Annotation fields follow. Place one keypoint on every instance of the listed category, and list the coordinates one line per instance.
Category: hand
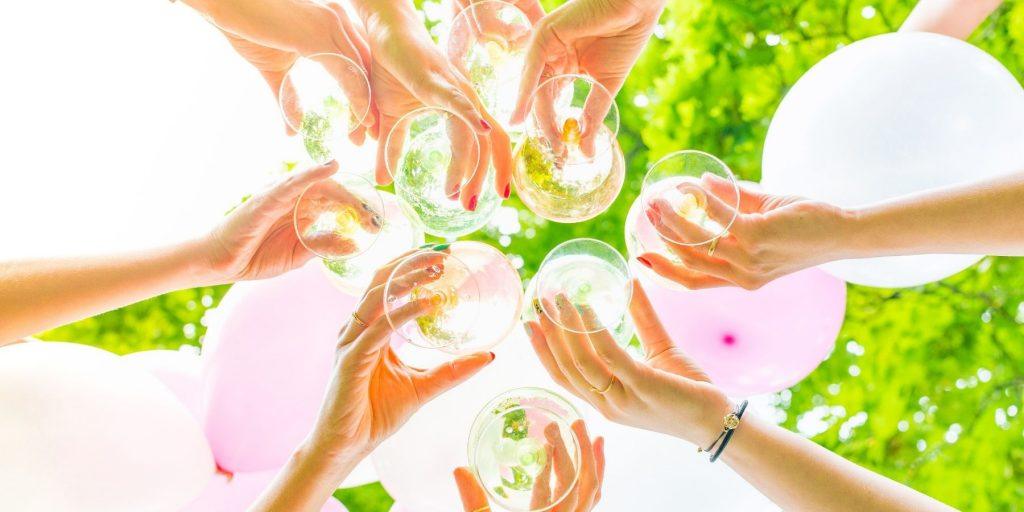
(410, 72)
(273, 34)
(601, 38)
(667, 393)
(258, 240)
(373, 393)
(583, 497)
(770, 237)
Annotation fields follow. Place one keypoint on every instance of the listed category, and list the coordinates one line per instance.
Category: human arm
(955, 18)
(371, 395)
(774, 235)
(669, 393)
(255, 241)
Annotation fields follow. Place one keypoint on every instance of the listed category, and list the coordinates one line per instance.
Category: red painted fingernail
(644, 261)
(492, 356)
(472, 204)
(508, 190)
(485, 124)
(651, 217)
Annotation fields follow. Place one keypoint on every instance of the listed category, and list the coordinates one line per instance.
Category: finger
(547, 360)
(427, 259)
(532, 70)
(720, 212)
(649, 329)
(563, 468)
(466, 155)
(372, 305)
(449, 96)
(749, 200)
(600, 462)
(596, 373)
(474, 182)
(678, 273)
(390, 149)
(291, 187)
(354, 82)
(604, 344)
(557, 344)
(501, 157)
(541, 497)
(330, 196)
(697, 259)
(439, 379)
(472, 493)
(673, 226)
(287, 98)
(532, 8)
(588, 478)
(595, 110)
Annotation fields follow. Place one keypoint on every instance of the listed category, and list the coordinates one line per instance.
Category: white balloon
(645, 471)
(178, 370)
(83, 430)
(893, 115)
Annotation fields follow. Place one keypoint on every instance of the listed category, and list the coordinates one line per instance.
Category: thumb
(472, 493)
(439, 379)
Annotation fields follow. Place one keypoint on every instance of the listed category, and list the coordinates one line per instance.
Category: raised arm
(956, 18)
(776, 235)
(669, 393)
(255, 241)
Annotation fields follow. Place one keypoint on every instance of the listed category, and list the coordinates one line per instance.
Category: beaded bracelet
(730, 422)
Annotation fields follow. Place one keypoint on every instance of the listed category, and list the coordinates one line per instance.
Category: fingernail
(643, 261)
(528, 329)
(472, 204)
(508, 190)
(562, 300)
(454, 194)
(485, 124)
(650, 216)
(377, 221)
(426, 245)
(492, 355)
(365, 206)
(441, 247)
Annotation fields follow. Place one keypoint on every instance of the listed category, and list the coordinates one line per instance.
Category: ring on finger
(357, 320)
(712, 247)
(606, 388)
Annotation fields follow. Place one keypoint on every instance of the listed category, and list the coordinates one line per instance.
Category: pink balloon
(178, 370)
(238, 492)
(762, 341)
(267, 360)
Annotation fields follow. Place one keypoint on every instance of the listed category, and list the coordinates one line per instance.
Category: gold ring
(485, 508)
(712, 247)
(359, 321)
(606, 388)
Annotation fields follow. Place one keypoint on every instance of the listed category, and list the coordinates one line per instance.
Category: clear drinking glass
(436, 148)
(487, 43)
(475, 292)
(339, 218)
(594, 279)
(513, 444)
(568, 167)
(397, 236)
(680, 182)
(321, 111)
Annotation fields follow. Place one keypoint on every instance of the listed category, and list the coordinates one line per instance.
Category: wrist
(853, 240)
(328, 464)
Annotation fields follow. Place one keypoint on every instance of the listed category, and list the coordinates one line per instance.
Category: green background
(924, 385)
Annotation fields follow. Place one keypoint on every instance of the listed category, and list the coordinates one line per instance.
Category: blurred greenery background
(924, 384)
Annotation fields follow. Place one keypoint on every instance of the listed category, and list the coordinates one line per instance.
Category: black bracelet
(732, 421)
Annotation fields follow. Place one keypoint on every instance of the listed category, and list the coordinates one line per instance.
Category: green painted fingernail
(441, 247)
(427, 245)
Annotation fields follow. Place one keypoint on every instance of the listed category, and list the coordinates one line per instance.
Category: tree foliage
(925, 384)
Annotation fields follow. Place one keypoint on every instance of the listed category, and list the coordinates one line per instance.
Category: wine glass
(339, 218)
(323, 112)
(678, 182)
(487, 42)
(568, 167)
(475, 294)
(434, 146)
(590, 274)
(397, 236)
(511, 447)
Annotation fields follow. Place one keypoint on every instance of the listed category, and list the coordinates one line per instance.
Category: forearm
(797, 474)
(983, 218)
(955, 18)
(305, 483)
(36, 295)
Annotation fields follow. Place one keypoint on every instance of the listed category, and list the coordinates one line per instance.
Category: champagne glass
(397, 236)
(434, 146)
(474, 291)
(513, 442)
(590, 274)
(568, 167)
(487, 43)
(316, 105)
(339, 218)
(678, 182)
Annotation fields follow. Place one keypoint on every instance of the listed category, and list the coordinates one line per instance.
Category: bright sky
(126, 123)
